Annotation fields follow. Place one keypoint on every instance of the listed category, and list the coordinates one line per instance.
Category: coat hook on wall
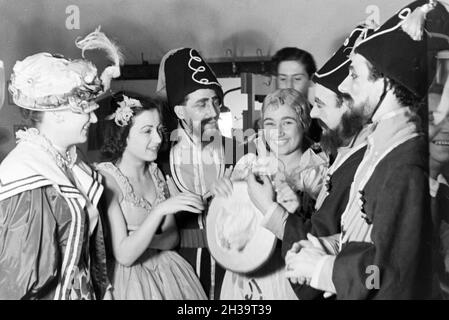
(260, 55)
(230, 54)
(143, 60)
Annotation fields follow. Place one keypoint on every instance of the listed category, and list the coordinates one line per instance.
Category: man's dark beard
(330, 139)
(350, 125)
(198, 130)
(208, 137)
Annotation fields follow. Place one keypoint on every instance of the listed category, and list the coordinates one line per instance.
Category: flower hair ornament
(124, 112)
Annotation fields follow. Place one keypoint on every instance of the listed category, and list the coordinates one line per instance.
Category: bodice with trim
(136, 208)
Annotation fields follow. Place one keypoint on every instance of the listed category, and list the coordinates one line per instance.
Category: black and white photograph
(238, 151)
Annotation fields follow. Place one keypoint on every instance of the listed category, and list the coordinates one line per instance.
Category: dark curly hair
(293, 54)
(404, 95)
(115, 136)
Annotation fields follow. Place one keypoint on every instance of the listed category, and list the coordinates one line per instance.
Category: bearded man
(384, 250)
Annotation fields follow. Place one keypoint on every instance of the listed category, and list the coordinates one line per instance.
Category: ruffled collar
(32, 164)
(33, 136)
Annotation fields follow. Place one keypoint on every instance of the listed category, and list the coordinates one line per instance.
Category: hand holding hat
(236, 237)
(261, 193)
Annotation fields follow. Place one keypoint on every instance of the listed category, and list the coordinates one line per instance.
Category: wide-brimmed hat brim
(261, 243)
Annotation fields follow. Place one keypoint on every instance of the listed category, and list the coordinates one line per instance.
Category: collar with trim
(392, 124)
(28, 167)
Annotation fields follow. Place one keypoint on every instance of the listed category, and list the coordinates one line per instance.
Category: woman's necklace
(33, 136)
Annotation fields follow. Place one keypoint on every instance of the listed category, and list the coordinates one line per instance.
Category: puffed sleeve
(309, 175)
(29, 253)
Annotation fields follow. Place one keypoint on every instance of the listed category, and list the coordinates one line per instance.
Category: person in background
(140, 210)
(294, 68)
(51, 234)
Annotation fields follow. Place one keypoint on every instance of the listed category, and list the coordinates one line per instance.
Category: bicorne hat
(404, 47)
(336, 69)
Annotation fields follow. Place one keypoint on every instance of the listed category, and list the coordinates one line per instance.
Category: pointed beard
(330, 139)
(351, 124)
(197, 129)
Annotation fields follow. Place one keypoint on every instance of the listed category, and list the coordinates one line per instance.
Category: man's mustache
(347, 98)
(207, 121)
(197, 125)
(322, 125)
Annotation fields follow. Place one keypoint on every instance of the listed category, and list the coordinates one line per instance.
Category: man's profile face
(359, 86)
(339, 121)
(327, 107)
(201, 112)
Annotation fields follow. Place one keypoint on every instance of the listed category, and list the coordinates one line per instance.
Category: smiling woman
(139, 210)
(438, 134)
(292, 176)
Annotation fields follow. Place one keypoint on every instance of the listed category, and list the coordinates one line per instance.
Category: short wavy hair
(115, 136)
(405, 97)
(295, 100)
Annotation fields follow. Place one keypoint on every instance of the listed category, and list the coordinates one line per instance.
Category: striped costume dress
(51, 235)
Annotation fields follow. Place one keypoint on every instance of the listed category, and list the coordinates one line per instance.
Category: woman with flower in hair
(140, 210)
(51, 234)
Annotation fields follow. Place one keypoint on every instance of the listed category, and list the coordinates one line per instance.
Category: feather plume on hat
(98, 40)
(48, 82)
